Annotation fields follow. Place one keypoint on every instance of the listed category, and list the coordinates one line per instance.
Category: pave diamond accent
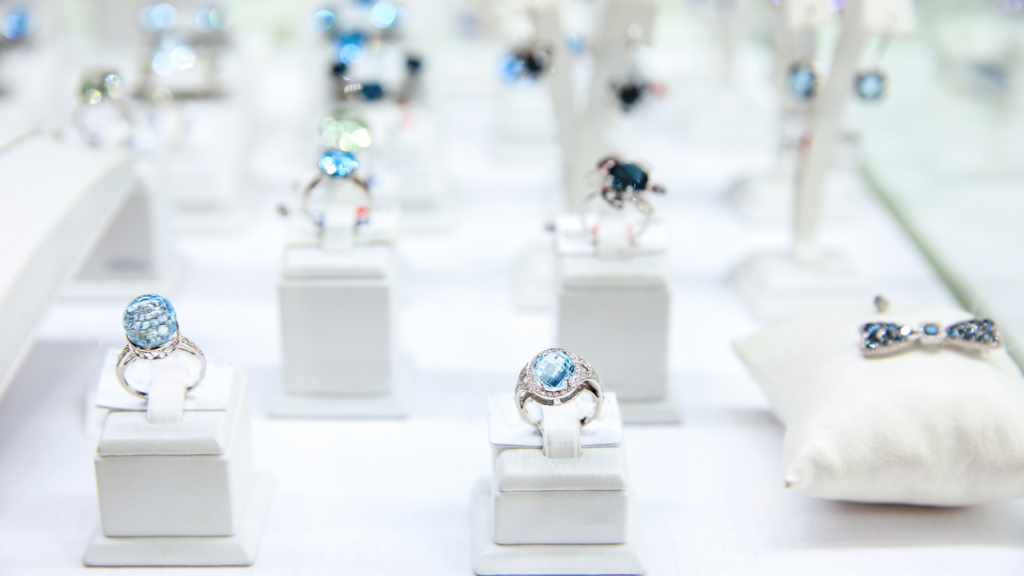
(150, 321)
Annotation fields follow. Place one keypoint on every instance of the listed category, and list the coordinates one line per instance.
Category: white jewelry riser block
(338, 322)
(615, 312)
(560, 499)
(50, 221)
(181, 494)
(540, 515)
(777, 285)
(134, 256)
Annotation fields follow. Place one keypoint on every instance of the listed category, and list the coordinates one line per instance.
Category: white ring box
(541, 515)
(338, 334)
(613, 309)
(178, 493)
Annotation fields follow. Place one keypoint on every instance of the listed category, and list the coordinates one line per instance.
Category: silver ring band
(592, 386)
(130, 353)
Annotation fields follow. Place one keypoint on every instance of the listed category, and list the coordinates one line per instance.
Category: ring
(151, 326)
(556, 377)
(335, 163)
(624, 183)
(884, 338)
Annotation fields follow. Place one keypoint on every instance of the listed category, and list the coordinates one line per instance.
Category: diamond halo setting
(555, 377)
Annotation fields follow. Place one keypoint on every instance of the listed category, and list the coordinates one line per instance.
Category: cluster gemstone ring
(555, 377)
(151, 326)
(885, 338)
(626, 183)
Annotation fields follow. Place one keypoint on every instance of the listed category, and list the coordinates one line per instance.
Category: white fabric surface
(929, 426)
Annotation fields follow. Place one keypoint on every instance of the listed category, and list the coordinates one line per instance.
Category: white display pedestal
(178, 493)
(339, 355)
(614, 311)
(777, 285)
(134, 256)
(555, 515)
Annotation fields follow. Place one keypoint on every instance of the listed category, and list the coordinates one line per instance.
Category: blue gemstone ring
(885, 338)
(151, 326)
(556, 377)
(334, 163)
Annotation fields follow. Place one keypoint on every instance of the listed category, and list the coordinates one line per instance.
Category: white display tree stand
(174, 475)
(338, 318)
(809, 276)
(613, 309)
(557, 502)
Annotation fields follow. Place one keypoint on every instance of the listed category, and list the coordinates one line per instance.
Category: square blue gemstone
(553, 370)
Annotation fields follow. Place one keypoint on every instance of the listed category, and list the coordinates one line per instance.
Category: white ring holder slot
(174, 473)
(558, 501)
(614, 302)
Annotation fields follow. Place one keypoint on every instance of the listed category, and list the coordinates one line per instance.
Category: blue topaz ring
(556, 377)
(884, 338)
(151, 326)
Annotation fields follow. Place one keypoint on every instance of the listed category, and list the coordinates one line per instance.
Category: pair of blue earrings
(804, 82)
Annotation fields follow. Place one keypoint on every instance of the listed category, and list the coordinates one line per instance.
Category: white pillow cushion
(926, 426)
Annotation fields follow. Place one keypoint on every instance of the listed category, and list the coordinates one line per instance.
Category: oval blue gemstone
(553, 370)
(803, 81)
(373, 91)
(931, 329)
(150, 321)
(338, 163)
(870, 85)
(625, 175)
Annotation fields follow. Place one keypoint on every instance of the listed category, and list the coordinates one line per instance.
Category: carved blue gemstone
(803, 81)
(625, 175)
(870, 85)
(150, 321)
(338, 163)
(553, 370)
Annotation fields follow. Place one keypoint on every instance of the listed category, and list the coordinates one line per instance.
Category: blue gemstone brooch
(885, 338)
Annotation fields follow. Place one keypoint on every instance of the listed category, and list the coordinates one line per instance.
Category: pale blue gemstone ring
(151, 326)
(556, 377)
